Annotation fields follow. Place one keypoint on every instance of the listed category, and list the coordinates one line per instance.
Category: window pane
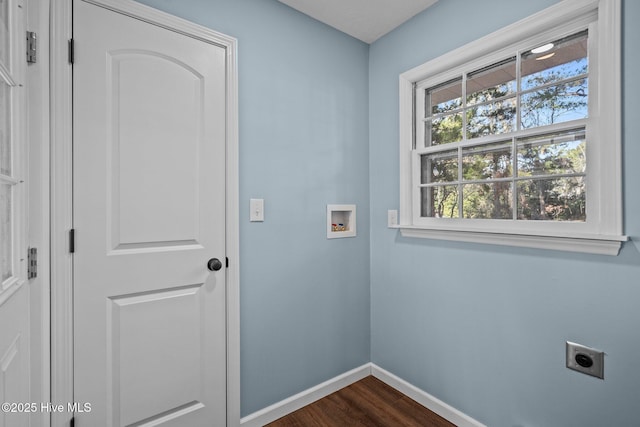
(487, 161)
(557, 100)
(4, 32)
(441, 167)
(564, 59)
(491, 119)
(549, 154)
(444, 97)
(555, 104)
(5, 137)
(487, 201)
(561, 199)
(495, 81)
(6, 253)
(440, 201)
(446, 129)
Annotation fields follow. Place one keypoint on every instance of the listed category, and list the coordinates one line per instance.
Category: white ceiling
(366, 20)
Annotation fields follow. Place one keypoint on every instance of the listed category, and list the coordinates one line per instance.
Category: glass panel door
(8, 180)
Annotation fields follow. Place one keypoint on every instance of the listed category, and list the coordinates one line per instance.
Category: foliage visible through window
(508, 141)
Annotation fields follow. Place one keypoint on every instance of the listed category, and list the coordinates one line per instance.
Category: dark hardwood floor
(368, 402)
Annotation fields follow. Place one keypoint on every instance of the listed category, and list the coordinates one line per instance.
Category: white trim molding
(307, 397)
(602, 232)
(304, 398)
(434, 404)
(61, 196)
(606, 245)
(61, 212)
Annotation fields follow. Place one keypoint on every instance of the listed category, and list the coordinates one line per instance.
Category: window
(492, 153)
(507, 140)
(11, 150)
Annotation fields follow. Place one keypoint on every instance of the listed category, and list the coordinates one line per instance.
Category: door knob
(214, 264)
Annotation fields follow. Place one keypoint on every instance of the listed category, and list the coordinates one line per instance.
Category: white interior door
(149, 213)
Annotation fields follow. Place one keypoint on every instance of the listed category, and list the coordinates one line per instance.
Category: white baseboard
(436, 405)
(304, 398)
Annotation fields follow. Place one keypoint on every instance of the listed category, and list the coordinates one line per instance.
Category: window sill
(595, 244)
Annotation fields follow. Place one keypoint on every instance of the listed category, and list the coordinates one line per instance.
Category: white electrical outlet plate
(392, 218)
(585, 359)
(256, 210)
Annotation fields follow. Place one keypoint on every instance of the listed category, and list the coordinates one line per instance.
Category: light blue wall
(483, 327)
(480, 327)
(303, 96)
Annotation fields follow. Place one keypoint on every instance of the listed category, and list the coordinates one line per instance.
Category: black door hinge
(227, 262)
(72, 240)
(31, 47)
(32, 263)
(71, 51)
(72, 422)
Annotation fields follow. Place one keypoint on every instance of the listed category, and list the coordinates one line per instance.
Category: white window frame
(601, 233)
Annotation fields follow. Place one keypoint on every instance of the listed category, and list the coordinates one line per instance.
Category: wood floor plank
(377, 401)
(367, 403)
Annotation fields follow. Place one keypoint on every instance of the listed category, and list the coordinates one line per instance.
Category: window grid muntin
(515, 178)
(465, 106)
(428, 146)
(580, 27)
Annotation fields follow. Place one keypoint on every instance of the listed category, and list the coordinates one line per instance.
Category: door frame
(62, 196)
(32, 208)
(37, 75)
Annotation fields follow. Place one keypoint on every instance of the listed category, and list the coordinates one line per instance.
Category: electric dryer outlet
(585, 359)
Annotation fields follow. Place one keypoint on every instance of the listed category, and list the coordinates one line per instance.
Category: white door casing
(155, 196)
